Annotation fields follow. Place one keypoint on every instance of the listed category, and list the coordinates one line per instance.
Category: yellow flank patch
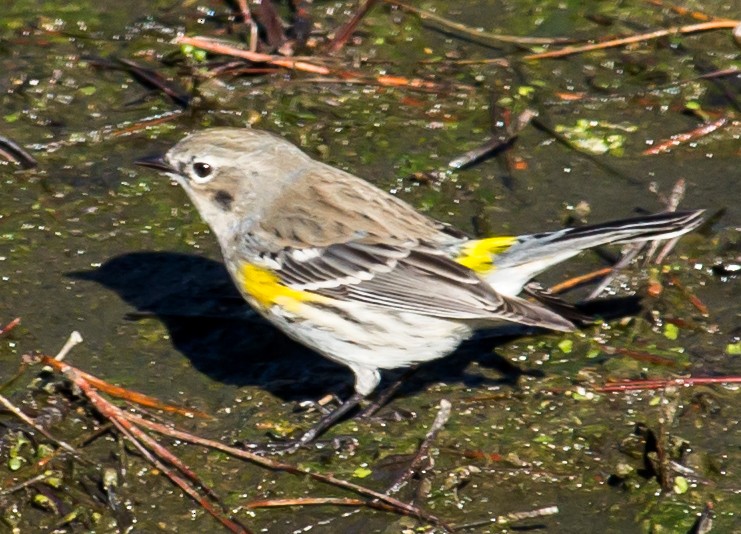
(477, 255)
(266, 289)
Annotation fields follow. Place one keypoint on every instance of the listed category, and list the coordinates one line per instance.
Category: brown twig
(422, 455)
(415, 84)
(244, 11)
(342, 76)
(510, 518)
(692, 28)
(344, 33)
(697, 15)
(280, 466)
(318, 501)
(10, 326)
(636, 385)
(679, 139)
(639, 355)
(14, 152)
(474, 33)
(484, 150)
(123, 393)
(576, 281)
(241, 453)
(219, 47)
(41, 430)
(694, 299)
(139, 438)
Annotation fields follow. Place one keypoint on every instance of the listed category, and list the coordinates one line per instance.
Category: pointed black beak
(156, 162)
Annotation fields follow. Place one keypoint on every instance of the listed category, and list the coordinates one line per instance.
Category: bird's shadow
(210, 324)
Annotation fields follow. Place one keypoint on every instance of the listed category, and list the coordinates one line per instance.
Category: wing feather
(413, 278)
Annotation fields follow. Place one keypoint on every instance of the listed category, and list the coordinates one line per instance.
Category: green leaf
(671, 331)
(566, 345)
(361, 472)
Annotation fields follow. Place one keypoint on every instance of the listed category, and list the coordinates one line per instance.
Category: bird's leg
(387, 394)
(329, 419)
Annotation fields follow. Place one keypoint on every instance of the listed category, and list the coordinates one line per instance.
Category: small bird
(357, 274)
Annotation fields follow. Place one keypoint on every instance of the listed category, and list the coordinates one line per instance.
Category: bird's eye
(202, 170)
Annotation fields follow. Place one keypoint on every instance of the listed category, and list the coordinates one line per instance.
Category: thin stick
(704, 129)
(74, 339)
(136, 437)
(570, 50)
(127, 394)
(26, 483)
(579, 280)
(480, 34)
(279, 466)
(344, 33)
(318, 501)
(105, 407)
(218, 47)
(441, 418)
(637, 385)
(10, 326)
(30, 422)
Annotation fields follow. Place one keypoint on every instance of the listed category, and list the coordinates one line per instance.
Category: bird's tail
(513, 263)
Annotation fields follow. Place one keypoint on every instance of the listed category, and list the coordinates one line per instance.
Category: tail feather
(666, 225)
(534, 253)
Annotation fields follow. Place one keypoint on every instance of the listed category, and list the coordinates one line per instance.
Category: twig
(642, 385)
(678, 139)
(478, 153)
(632, 250)
(415, 84)
(30, 422)
(638, 355)
(219, 47)
(697, 15)
(510, 517)
(14, 152)
(576, 281)
(570, 50)
(26, 483)
(318, 501)
(149, 78)
(136, 437)
(441, 418)
(422, 455)
(244, 11)
(474, 33)
(280, 466)
(344, 33)
(74, 339)
(694, 299)
(123, 393)
(129, 422)
(10, 326)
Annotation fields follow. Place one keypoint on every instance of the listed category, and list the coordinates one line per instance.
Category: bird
(357, 274)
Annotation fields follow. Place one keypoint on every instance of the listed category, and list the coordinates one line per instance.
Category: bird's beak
(156, 162)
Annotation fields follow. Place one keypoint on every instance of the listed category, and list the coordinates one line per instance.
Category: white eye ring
(202, 172)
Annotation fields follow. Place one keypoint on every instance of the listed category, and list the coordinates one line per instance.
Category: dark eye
(201, 169)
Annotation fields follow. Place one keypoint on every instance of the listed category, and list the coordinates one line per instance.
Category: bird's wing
(327, 206)
(411, 278)
(338, 236)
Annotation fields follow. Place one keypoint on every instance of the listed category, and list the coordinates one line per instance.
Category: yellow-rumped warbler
(357, 274)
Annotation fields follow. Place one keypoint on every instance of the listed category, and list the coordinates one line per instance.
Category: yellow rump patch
(267, 290)
(478, 255)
